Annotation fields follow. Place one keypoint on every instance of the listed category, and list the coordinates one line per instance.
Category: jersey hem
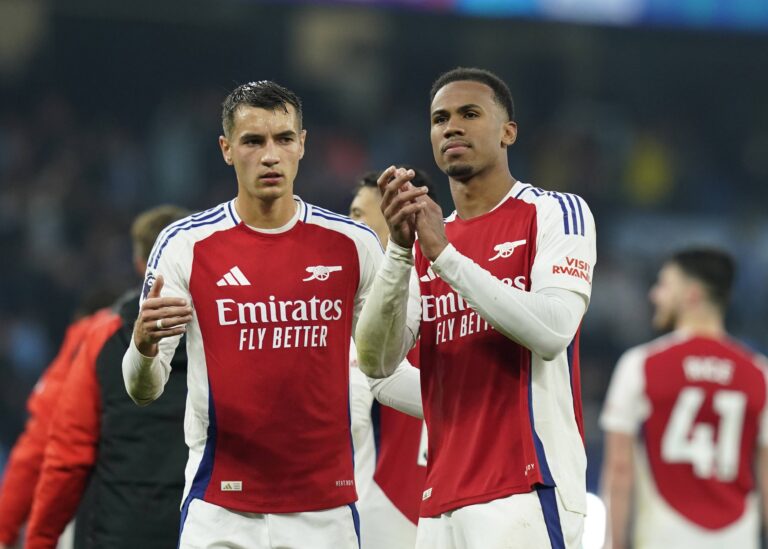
(265, 508)
(473, 500)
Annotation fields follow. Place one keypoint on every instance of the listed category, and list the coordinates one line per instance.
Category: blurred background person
(390, 446)
(26, 458)
(122, 465)
(686, 421)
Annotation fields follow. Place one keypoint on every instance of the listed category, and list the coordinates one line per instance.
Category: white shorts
(382, 525)
(536, 520)
(208, 526)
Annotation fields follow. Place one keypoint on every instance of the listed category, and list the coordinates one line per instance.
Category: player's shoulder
(572, 208)
(742, 349)
(194, 227)
(639, 354)
(361, 233)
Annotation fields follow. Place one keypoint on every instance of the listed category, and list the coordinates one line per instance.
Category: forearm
(619, 495)
(401, 390)
(382, 335)
(544, 322)
(144, 377)
(762, 479)
(618, 481)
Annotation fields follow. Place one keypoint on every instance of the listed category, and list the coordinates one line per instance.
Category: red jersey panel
(400, 466)
(475, 381)
(275, 313)
(706, 397)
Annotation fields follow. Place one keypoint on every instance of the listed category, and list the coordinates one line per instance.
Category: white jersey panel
(566, 246)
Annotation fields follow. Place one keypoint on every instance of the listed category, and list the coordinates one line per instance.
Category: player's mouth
(271, 178)
(455, 147)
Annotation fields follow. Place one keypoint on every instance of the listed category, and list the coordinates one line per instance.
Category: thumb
(154, 291)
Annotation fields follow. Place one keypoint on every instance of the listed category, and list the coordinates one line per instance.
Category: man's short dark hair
(501, 93)
(263, 94)
(715, 269)
(146, 227)
(421, 179)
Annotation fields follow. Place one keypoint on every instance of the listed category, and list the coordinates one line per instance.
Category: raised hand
(399, 204)
(430, 228)
(160, 317)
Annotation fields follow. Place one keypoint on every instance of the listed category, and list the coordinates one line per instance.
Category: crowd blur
(663, 133)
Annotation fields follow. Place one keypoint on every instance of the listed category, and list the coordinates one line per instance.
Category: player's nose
(452, 128)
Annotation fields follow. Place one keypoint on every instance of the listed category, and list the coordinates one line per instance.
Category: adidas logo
(320, 272)
(234, 277)
(506, 249)
(232, 486)
(429, 276)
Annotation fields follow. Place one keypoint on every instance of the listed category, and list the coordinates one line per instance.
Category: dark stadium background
(657, 118)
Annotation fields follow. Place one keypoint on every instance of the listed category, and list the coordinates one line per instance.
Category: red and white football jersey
(267, 418)
(500, 418)
(698, 405)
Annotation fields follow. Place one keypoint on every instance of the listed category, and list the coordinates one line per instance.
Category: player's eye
(439, 119)
(471, 114)
(286, 139)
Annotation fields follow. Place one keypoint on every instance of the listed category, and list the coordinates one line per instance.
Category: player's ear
(509, 133)
(226, 150)
(302, 138)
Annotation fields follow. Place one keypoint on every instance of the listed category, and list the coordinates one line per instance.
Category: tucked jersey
(500, 418)
(267, 419)
(699, 406)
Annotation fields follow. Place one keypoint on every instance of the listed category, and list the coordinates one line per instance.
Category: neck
(481, 193)
(265, 214)
(707, 322)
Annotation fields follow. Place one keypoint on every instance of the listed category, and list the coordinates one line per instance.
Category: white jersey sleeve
(401, 390)
(762, 437)
(145, 377)
(565, 244)
(370, 253)
(626, 406)
(389, 321)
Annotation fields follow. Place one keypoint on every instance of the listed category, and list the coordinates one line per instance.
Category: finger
(170, 322)
(163, 302)
(405, 213)
(170, 332)
(400, 199)
(384, 178)
(154, 291)
(165, 312)
(389, 185)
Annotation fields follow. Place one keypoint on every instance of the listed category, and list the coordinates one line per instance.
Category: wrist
(434, 251)
(399, 252)
(146, 349)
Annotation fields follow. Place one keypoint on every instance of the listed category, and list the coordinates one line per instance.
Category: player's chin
(266, 192)
(459, 170)
(663, 322)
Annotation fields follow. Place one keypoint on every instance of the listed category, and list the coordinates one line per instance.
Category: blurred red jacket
(26, 457)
